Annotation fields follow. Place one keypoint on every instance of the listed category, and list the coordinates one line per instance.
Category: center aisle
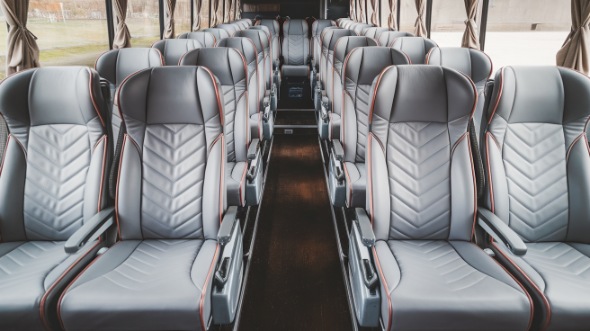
(295, 280)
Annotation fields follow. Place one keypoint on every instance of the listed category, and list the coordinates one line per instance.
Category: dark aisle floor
(295, 280)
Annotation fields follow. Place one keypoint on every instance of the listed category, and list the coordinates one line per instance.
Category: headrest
(218, 33)
(375, 32)
(173, 49)
(117, 64)
(363, 64)
(243, 45)
(51, 95)
(399, 96)
(262, 28)
(295, 27)
(415, 47)
(258, 37)
(171, 95)
(206, 38)
(230, 28)
(387, 37)
(331, 36)
(319, 25)
(346, 44)
(272, 26)
(227, 64)
(471, 62)
(541, 94)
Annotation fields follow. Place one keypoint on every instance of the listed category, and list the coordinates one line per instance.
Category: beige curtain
(392, 18)
(420, 26)
(197, 22)
(374, 12)
(352, 10)
(23, 52)
(214, 9)
(238, 9)
(575, 51)
(232, 10)
(122, 36)
(226, 11)
(169, 6)
(361, 11)
(470, 37)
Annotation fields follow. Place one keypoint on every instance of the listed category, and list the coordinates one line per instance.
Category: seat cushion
(561, 273)
(356, 183)
(441, 285)
(29, 271)
(143, 285)
(235, 177)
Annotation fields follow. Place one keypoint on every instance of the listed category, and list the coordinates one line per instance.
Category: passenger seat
(173, 49)
(218, 33)
(415, 47)
(207, 39)
(295, 51)
(317, 28)
(53, 189)
(387, 37)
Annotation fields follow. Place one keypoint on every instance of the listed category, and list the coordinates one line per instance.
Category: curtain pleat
(575, 50)
(470, 36)
(420, 26)
(392, 18)
(197, 22)
(22, 52)
(169, 6)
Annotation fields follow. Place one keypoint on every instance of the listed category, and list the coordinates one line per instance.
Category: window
(143, 22)
(69, 32)
(526, 32)
(3, 45)
(448, 22)
(182, 17)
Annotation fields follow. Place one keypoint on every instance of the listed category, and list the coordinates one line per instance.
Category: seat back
(207, 39)
(537, 153)
(273, 53)
(343, 47)
(473, 63)
(323, 62)
(255, 82)
(360, 68)
(329, 39)
(173, 49)
(274, 29)
(52, 178)
(261, 41)
(170, 183)
(385, 38)
(317, 28)
(375, 32)
(420, 182)
(218, 33)
(360, 28)
(118, 64)
(415, 47)
(295, 48)
(230, 68)
(230, 28)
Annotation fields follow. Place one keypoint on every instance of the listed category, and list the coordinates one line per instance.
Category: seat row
(413, 138)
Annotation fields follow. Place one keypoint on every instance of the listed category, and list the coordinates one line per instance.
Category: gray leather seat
(323, 94)
(207, 39)
(375, 32)
(229, 67)
(118, 64)
(230, 28)
(295, 49)
(539, 188)
(331, 120)
(256, 87)
(476, 64)
(171, 213)
(348, 171)
(274, 30)
(387, 37)
(173, 49)
(360, 28)
(421, 202)
(261, 40)
(53, 183)
(317, 28)
(273, 61)
(218, 33)
(415, 47)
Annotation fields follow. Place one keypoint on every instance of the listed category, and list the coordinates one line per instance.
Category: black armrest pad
(496, 228)
(227, 225)
(365, 228)
(91, 230)
(253, 148)
(337, 149)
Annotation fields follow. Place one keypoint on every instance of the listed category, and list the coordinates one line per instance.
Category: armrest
(325, 104)
(266, 107)
(496, 228)
(337, 149)
(253, 149)
(365, 228)
(227, 225)
(91, 230)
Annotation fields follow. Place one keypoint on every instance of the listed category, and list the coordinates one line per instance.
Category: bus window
(182, 17)
(408, 16)
(526, 32)
(143, 22)
(448, 22)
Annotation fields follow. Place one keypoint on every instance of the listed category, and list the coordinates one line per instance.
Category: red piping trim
(572, 146)
(490, 182)
(204, 291)
(104, 165)
(500, 91)
(118, 184)
(92, 97)
(389, 303)
(219, 105)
